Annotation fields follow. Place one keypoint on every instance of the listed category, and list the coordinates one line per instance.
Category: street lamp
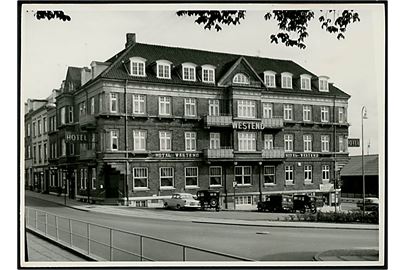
(363, 116)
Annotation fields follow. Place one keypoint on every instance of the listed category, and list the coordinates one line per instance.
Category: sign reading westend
(353, 142)
(76, 137)
(248, 125)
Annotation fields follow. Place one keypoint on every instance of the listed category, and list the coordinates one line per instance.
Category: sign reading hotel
(174, 155)
(247, 125)
(301, 155)
(76, 137)
(353, 142)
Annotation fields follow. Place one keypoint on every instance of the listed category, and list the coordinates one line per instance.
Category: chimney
(131, 39)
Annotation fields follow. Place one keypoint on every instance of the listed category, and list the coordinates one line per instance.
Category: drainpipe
(126, 143)
(334, 152)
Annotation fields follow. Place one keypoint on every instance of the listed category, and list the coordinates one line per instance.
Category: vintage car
(208, 199)
(304, 203)
(276, 203)
(181, 201)
(371, 204)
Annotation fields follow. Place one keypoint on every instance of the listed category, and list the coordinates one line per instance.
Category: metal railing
(218, 120)
(107, 244)
(273, 153)
(219, 153)
(274, 122)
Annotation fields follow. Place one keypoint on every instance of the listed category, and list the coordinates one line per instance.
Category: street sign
(235, 184)
(354, 142)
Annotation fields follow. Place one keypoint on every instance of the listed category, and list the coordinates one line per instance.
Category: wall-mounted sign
(76, 137)
(353, 142)
(248, 125)
(174, 155)
(302, 155)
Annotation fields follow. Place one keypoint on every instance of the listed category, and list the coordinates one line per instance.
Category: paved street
(254, 242)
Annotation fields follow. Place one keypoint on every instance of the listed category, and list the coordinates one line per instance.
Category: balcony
(273, 153)
(219, 153)
(274, 122)
(218, 120)
(87, 121)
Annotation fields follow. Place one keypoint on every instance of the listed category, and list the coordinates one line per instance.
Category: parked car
(371, 204)
(276, 203)
(181, 201)
(208, 199)
(304, 203)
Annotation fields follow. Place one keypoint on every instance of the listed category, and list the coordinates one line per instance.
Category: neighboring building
(153, 120)
(352, 177)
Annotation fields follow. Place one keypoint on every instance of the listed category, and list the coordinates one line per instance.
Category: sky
(97, 32)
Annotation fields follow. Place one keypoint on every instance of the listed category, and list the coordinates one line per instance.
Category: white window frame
(92, 106)
(308, 174)
(289, 174)
(45, 123)
(324, 114)
(268, 141)
(171, 176)
(305, 82)
(187, 170)
(137, 66)
(190, 107)
(270, 174)
(241, 78)
(208, 74)
(213, 107)
(243, 200)
(163, 69)
(323, 84)
(246, 141)
(113, 99)
(286, 80)
(63, 115)
(243, 175)
(215, 140)
(63, 147)
(139, 140)
(341, 114)
(215, 176)
(93, 178)
(190, 141)
(139, 174)
(269, 79)
(39, 127)
(34, 129)
(325, 143)
(188, 71)
(325, 173)
(288, 142)
(246, 108)
(70, 114)
(341, 141)
(288, 110)
(165, 141)
(307, 139)
(165, 107)
(138, 104)
(267, 110)
(114, 136)
(28, 129)
(307, 113)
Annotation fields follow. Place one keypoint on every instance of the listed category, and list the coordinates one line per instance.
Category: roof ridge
(124, 53)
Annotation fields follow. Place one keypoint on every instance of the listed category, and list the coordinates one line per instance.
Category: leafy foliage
(292, 24)
(58, 14)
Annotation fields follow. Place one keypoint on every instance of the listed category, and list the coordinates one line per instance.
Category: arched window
(240, 78)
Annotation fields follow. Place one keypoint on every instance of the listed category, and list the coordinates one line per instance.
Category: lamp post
(363, 116)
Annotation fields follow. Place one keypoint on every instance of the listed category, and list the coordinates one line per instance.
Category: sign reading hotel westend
(76, 137)
(174, 155)
(247, 125)
(302, 155)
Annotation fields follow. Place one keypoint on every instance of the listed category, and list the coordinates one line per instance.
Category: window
(324, 143)
(63, 147)
(39, 154)
(100, 101)
(247, 108)
(28, 130)
(113, 102)
(164, 106)
(45, 152)
(34, 151)
(208, 75)
(308, 174)
(215, 141)
(215, 176)
(286, 80)
(28, 152)
(323, 84)
(324, 114)
(288, 143)
(270, 79)
(288, 111)
(190, 108)
(165, 139)
(166, 177)
(163, 70)
(243, 175)
(305, 82)
(307, 143)
(213, 107)
(269, 175)
(190, 141)
(45, 124)
(114, 140)
(139, 140)
(240, 79)
(138, 104)
(188, 73)
(93, 178)
(307, 113)
(39, 127)
(62, 115)
(243, 200)
(268, 141)
(246, 141)
(267, 110)
(70, 116)
(342, 147)
(140, 175)
(289, 174)
(325, 173)
(191, 176)
(92, 108)
(82, 108)
(341, 115)
(138, 66)
(83, 178)
(34, 129)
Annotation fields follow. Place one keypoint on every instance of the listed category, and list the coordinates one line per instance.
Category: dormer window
(323, 84)
(240, 78)
(305, 82)
(189, 72)
(286, 80)
(137, 66)
(163, 69)
(270, 79)
(208, 74)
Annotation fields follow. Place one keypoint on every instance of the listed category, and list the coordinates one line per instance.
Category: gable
(241, 66)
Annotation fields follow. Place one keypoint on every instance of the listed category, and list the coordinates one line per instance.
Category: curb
(346, 252)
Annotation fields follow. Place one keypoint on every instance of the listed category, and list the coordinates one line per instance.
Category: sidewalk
(145, 213)
(348, 255)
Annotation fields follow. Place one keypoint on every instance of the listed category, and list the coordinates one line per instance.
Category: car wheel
(178, 207)
(302, 211)
(166, 205)
(213, 203)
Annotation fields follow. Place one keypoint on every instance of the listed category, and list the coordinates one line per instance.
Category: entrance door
(112, 180)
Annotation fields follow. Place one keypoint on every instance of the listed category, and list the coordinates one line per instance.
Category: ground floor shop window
(243, 175)
(140, 175)
(93, 178)
(191, 176)
(216, 176)
(247, 200)
(83, 179)
(269, 175)
(166, 177)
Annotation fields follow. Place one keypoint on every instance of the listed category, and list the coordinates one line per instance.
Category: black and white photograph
(202, 134)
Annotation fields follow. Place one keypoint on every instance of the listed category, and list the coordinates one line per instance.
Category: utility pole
(363, 116)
